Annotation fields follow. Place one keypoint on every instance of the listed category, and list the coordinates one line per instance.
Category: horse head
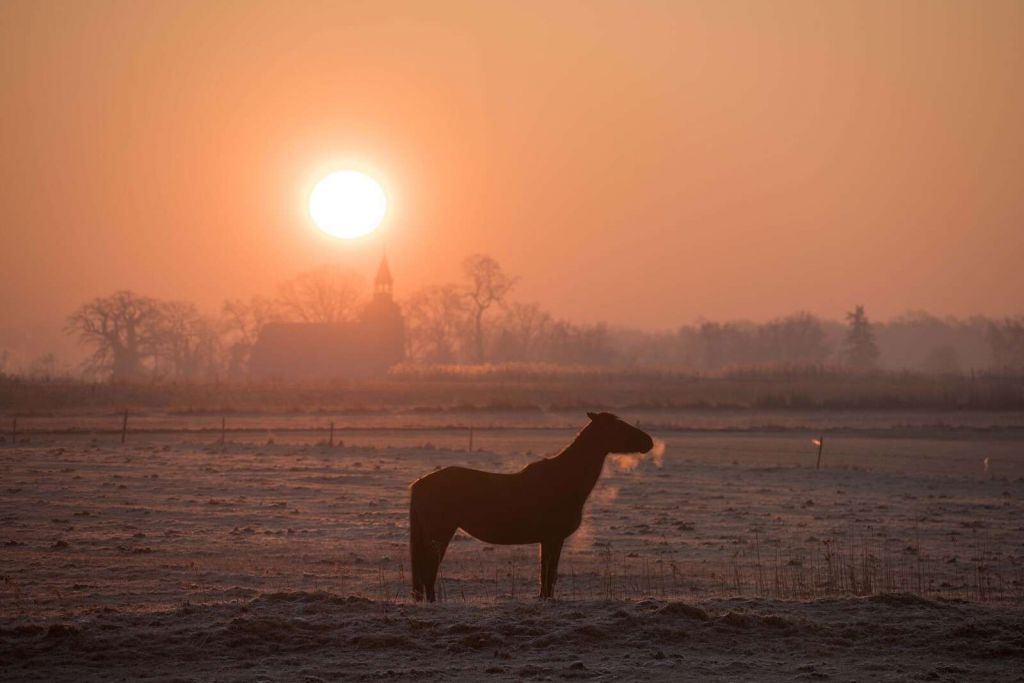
(618, 436)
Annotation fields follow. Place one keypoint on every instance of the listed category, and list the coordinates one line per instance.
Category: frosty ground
(320, 636)
(277, 556)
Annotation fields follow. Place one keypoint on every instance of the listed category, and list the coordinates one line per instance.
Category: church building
(307, 351)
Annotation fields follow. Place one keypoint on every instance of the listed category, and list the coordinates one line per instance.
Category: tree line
(472, 320)
(476, 319)
(915, 341)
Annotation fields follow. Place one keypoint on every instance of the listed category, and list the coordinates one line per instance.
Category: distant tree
(435, 320)
(44, 367)
(861, 350)
(942, 360)
(1006, 339)
(324, 295)
(241, 323)
(720, 345)
(522, 332)
(591, 345)
(487, 285)
(120, 327)
(186, 343)
(658, 348)
(795, 339)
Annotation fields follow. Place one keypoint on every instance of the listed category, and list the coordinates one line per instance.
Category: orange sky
(638, 162)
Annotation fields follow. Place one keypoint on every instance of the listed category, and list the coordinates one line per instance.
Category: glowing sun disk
(347, 204)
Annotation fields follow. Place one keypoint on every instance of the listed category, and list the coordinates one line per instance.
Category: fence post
(124, 426)
(821, 444)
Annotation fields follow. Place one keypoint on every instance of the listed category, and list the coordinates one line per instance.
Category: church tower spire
(382, 284)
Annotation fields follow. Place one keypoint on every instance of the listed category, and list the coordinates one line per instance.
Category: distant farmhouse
(366, 347)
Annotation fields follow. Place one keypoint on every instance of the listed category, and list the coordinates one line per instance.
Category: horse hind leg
(418, 557)
(427, 545)
(433, 552)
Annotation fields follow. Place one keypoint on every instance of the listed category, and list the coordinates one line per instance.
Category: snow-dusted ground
(305, 636)
(731, 557)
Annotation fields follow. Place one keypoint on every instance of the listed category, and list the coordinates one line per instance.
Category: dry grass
(830, 568)
(531, 387)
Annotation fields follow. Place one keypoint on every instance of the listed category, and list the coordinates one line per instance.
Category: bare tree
(45, 367)
(120, 327)
(793, 340)
(435, 320)
(522, 332)
(324, 295)
(487, 285)
(1006, 339)
(723, 344)
(241, 322)
(942, 360)
(186, 343)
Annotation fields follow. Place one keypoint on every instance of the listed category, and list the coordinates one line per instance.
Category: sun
(347, 204)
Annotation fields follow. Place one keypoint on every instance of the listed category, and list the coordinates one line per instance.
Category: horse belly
(503, 534)
(512, 527)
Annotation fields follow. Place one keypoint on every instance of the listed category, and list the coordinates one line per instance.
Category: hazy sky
(638, 162)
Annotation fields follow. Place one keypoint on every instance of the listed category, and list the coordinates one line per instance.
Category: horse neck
(584, 459)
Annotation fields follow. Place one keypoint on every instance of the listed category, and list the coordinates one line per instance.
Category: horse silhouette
(542, 503)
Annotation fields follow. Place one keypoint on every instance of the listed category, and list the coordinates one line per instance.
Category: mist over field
(463, 341)
(176, 341)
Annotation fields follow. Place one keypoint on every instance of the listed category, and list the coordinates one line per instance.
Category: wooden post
(470, 439)
(821, 444)
(124, 426)
(330, 439)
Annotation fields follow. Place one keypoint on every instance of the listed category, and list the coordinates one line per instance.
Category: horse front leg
(550, 552)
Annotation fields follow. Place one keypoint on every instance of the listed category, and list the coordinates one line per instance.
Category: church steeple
(383, 282)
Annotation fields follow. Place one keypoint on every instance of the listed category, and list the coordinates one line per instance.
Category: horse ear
(592, 416)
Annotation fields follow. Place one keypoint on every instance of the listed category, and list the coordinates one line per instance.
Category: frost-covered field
(731, 556)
